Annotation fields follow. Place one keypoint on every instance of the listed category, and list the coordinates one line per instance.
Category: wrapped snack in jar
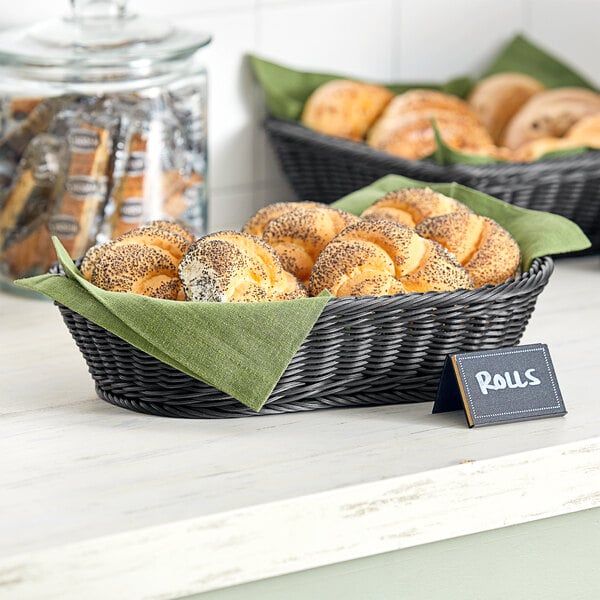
(102, 128)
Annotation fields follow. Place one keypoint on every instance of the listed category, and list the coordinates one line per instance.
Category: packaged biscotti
(127, 103)
(17, 137)
(153, 177)
(25, 245)
(91, 136)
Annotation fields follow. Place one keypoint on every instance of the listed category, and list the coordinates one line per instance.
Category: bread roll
(173, 226)
(550, 114)
(137, 269)
(170, 241)
(141, 261)
(90, 259)
(410, 206)
(486, 250)
(412, 136)
(299, 236)
(382, 257)
(497, 98)
(257, 224)
(345, 108)
(404, 129)
(428, 103)
(585, 132)
(535, 149)
(232, 266)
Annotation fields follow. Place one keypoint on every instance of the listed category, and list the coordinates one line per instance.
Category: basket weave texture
(361, 352)
(324, 168)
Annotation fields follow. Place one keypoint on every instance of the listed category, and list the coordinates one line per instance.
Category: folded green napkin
(286, 90)
(522, 56)
(243, 349)
(240, 349)
(536, 232)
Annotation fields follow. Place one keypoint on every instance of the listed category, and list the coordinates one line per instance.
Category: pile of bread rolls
(507, 116)
(411, 240)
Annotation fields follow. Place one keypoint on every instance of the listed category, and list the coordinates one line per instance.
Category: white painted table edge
(230, 548)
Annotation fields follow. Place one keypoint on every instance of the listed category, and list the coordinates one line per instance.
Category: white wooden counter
(97, 502)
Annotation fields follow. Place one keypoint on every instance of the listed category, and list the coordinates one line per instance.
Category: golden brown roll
(173, 226)
(382, 257)
(487, 251)
(90, 259)
(345, 108)
(585, 132)
(404, 129)
(171, 241)
(497, 98)
(410, 206)
(535, 149)
(550, 114)
(299, 236)
(428, 103)
(137, 269)
(141, 261)
(232, 266)
(257, 224)
(412, 136)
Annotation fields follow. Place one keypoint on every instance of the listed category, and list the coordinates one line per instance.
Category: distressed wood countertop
(98, 502)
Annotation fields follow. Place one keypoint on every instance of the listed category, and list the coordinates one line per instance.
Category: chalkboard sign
(501, 385)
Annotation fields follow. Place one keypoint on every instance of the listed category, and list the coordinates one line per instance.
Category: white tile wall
(571, 27)
(231, 133)
(343, 37)
(352, 37)
(390, 40)
(438, 40)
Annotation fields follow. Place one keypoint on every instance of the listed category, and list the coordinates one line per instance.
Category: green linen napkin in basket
(286, 90)
(243, 349)
(240, 349)
(538, 233)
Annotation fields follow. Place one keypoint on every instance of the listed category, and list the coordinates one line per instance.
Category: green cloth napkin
(240, 349)
(243, 349)
(286, 90)
(538, 233)
(522, 56)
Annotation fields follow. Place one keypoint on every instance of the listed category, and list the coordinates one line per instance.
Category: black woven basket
(361, 352)
(324, 168)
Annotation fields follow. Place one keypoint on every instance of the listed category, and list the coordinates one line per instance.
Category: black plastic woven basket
(324, 168)
(361, 352)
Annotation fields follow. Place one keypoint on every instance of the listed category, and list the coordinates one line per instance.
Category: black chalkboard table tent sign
(500, 385)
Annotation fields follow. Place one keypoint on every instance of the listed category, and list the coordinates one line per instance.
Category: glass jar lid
(98, 40)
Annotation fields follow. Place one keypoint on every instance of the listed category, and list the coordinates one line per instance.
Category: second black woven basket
(361, 352)
(324, 169)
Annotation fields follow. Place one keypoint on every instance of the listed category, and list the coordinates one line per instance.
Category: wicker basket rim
(552, 167)
(347, 360)
(540, 267)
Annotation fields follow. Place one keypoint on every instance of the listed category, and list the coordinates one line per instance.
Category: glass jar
(102, 129)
